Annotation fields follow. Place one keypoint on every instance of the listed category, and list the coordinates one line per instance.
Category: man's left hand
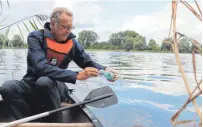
(114, 72)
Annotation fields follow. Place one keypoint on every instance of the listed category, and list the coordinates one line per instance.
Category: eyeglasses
(66, 27)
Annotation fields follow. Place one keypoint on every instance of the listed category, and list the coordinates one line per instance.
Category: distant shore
(121, 50)
(117, 50)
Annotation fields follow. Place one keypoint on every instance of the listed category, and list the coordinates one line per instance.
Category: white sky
(149, 18)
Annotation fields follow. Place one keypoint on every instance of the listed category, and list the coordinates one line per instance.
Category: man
(49, 53)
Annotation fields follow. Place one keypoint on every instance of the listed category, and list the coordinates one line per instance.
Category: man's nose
(67, 31)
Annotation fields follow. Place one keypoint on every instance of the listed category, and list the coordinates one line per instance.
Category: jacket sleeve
(39, 62)
(82, 59)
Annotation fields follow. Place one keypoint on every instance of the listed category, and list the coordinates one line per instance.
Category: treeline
(124, 40)
(15, 42)
(129, 40)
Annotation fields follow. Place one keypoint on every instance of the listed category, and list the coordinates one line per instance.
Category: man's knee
(9, 89)
(45, 83)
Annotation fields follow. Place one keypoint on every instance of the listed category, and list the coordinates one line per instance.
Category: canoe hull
(54, 125)
(79, 116)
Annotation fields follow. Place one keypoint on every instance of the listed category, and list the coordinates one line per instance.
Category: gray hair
(58, 11)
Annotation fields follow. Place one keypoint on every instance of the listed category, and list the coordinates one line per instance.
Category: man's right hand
(87, 72)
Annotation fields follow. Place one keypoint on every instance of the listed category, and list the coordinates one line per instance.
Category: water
(150, 89)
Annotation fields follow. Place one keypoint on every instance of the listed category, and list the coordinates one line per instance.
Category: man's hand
(114, 72)
(87, 72)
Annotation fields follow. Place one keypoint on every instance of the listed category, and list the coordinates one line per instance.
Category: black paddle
(99, 98)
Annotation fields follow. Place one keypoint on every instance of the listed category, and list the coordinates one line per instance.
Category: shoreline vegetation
(110, 50)
(122, 50)
(129, 41)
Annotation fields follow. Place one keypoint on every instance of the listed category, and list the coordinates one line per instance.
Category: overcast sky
(149, 18)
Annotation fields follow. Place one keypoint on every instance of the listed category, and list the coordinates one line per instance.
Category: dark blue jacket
(38, 66)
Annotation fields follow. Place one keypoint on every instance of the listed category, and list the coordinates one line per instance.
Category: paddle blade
(103, 102)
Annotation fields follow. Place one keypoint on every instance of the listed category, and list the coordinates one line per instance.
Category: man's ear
(53, 24)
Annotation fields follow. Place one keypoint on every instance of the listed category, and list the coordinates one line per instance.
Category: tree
(139, 43)
(25, 45)
(156, 47)
(104, 45)
(116, 39)
(130, 33)
(184, 46)
(95, 45)
(128, 43)
(3, 41)
(17, 41)
(1, 44)
(87, 38)
(166, 44)
(151, 44)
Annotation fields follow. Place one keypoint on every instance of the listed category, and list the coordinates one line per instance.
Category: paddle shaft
(82, 103)
(34, 117)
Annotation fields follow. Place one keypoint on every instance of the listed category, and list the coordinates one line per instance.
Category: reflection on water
(150, 88)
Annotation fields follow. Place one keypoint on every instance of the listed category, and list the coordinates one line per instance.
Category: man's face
(62, 29)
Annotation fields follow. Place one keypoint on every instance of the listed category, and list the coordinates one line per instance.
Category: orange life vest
(56, 52)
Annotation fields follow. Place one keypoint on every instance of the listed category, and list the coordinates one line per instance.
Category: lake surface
(150, 88)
